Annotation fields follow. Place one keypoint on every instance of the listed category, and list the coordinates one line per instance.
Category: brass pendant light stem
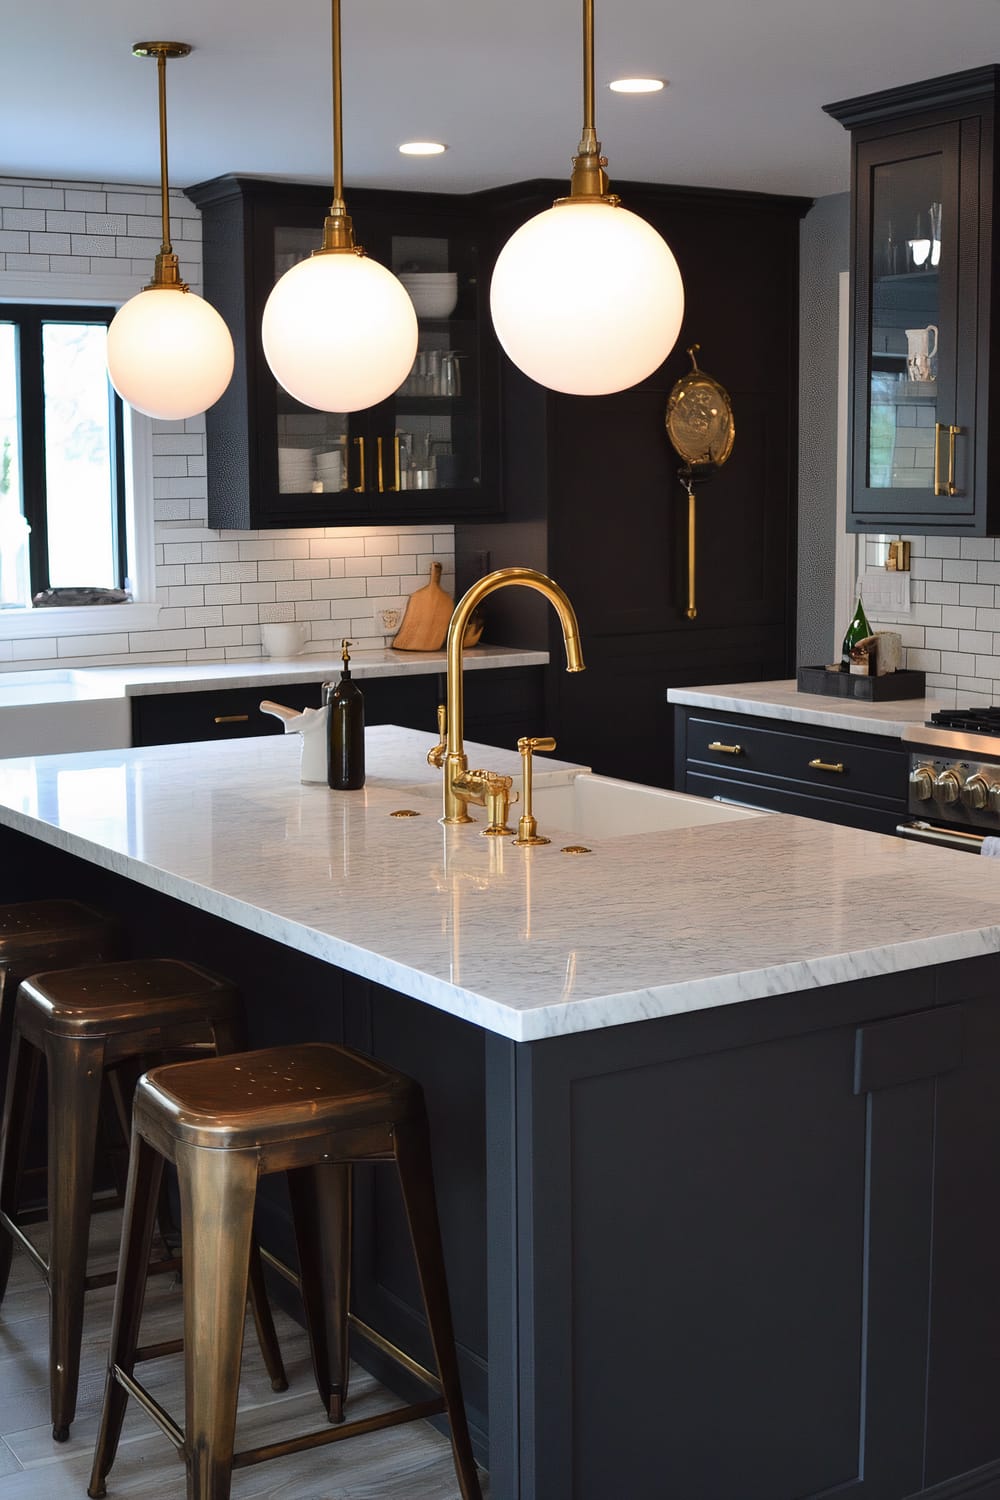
(589, 181)
(166, 271)
(338, 229)
(161, 77)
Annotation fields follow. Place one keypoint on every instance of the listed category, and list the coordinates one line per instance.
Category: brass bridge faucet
(484, 788)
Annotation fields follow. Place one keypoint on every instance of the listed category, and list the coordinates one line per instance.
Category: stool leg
(230, 1036)
(145, 1172)
(321, 1210)
(22, 1083)
(218, 1189)
(75, 1070)
(413, 1162)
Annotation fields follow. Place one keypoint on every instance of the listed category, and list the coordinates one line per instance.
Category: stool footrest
(155, 1268)
(156, 1351)
(399, 1355)
(151, 1406)
(394, 1418)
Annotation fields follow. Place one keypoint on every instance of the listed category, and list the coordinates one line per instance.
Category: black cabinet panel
(593, 498)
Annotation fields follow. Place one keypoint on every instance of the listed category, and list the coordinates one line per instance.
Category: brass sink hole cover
(576, 849)
(405, 812)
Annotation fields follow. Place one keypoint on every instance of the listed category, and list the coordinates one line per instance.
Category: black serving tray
(868, 689)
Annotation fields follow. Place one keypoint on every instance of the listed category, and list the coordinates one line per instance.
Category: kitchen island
(715, 1121)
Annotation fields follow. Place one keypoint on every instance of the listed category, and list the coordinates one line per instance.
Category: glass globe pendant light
(339, 330)
(586, 297)
(170, 354)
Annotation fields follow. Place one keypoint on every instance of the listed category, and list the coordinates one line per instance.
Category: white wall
(214, 587)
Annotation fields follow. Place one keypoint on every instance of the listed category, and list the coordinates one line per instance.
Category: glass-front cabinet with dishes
(923, 306)
(429, 452)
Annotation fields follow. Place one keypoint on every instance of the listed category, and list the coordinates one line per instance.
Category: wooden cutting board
(428, 611)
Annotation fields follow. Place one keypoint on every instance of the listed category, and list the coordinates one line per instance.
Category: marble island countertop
(783, 700)
(527, 943)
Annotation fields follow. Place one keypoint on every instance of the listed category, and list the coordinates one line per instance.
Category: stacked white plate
(433, 293)
(296, 471)
(329, 469)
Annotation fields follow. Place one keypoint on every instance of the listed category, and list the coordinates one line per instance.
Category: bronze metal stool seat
(84, 1022)
(310, 1111)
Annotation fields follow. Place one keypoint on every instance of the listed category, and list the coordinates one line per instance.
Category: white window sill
(90, 619)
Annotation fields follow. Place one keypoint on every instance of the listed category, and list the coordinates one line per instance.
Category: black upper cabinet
(923, 446)
(428, 453)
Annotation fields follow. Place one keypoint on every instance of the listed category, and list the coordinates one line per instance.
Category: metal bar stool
(310, 1111)
(36, 935)
(85, 1022)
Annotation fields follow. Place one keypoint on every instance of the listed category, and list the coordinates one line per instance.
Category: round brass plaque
(576, 849)
(405, 812)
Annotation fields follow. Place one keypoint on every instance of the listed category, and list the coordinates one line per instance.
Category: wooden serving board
(428, 611)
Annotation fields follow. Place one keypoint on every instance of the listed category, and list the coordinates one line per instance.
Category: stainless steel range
(954, 793)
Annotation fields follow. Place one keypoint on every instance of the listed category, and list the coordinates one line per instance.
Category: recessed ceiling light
(422, 148)
(637, 85)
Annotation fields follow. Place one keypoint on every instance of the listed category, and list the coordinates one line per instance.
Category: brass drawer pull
(359, 443)
(725, 749)
(826, 765)
(231, 718)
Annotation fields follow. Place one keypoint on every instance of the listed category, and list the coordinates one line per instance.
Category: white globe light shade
(587, 298)
(339, 332)
(170, 354)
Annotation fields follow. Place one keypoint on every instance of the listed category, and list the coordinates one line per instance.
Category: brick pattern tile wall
(215, 587)
(953, 629)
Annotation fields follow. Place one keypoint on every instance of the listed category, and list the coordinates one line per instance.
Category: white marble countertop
(527, 943)
(782, 700)
(80, 684)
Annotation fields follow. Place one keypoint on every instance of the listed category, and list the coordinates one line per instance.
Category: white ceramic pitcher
(920, 352)
(311, 725)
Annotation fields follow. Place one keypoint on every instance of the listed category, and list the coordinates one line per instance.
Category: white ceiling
(500, 83)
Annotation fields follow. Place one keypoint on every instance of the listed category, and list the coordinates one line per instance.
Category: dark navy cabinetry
(856, 779)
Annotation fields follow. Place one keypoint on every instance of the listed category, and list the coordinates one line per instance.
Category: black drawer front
(840, 766)
(231, 713)
(787, 798)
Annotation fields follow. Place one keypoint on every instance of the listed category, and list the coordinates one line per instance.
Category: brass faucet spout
(455, 761)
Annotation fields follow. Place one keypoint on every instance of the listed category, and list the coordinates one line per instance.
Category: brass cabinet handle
(726, 749)
(360, 445)
(397, 460)
(949, 487)
(825, 765)
(378, 452)
(231, 718)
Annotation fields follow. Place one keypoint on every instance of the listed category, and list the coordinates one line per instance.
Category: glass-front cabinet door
(912, 414)
(427, 453)
(925, 439)
(419, 454)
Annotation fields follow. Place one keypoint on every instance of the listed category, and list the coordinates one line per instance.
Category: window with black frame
(61, 453)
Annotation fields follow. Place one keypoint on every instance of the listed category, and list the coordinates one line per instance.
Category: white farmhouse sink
(601, 807)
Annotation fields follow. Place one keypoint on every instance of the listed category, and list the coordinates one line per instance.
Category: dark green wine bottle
(858, 630)
(345, 760)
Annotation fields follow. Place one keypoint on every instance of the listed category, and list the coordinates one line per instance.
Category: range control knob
(922, 782)
(976, 791)
(993, 797)
(948, 785)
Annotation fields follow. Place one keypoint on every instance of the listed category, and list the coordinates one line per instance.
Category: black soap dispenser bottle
(345, 760)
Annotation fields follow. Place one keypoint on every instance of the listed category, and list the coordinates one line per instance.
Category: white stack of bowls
(296, 470)
(433, 293)
(330, 470)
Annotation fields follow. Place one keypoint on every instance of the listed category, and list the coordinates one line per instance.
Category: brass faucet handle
(435, 757)
(527, 827)
(497, 798)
